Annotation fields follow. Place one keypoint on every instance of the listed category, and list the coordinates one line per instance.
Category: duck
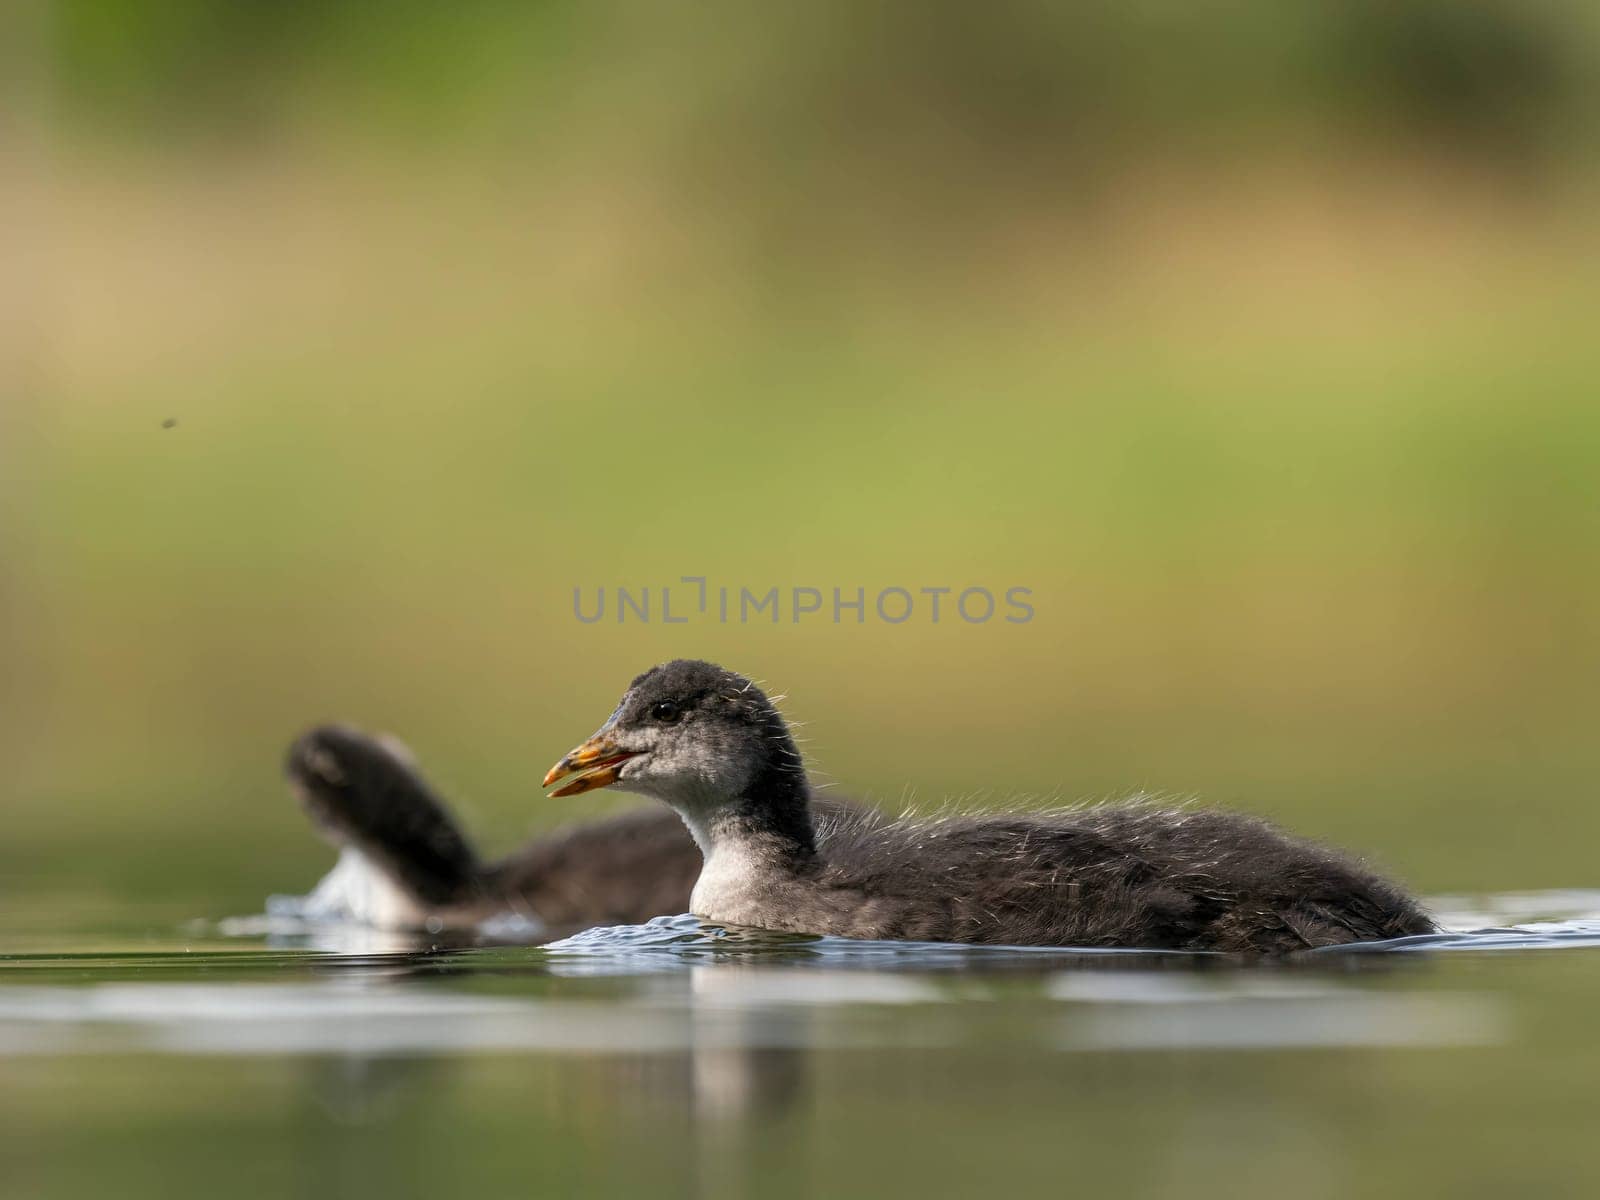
(405, 863)
(710, 744)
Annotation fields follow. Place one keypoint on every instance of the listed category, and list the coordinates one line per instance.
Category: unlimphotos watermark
(693, 598)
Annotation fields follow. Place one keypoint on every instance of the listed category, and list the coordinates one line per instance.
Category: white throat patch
(730, 877)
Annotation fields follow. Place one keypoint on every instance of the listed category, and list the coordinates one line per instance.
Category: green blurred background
(1257, 339)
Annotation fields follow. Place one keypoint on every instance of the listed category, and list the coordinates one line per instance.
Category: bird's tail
(366, 794)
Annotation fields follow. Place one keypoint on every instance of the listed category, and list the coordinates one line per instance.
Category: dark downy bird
(404, 863)
(710, 744)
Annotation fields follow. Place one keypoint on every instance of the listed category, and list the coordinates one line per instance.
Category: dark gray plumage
(709, 743)
(365, 795)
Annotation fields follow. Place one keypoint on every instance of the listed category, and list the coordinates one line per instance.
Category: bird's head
(687, 732)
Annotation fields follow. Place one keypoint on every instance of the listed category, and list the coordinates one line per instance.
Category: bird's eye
(665, 711)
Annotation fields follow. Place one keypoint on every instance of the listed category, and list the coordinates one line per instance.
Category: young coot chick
(710, 744)
(404, 863)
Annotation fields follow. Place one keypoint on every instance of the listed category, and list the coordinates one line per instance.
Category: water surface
(272, 1055)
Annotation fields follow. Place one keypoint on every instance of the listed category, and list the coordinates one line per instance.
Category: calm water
(268, 1056)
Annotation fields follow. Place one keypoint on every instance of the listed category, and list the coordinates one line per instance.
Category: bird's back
(1125, 875)
(619, 870)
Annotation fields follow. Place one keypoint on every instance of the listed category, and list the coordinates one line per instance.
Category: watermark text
(695, 599)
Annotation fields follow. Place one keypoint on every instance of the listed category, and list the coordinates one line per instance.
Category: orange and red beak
(598, 762)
